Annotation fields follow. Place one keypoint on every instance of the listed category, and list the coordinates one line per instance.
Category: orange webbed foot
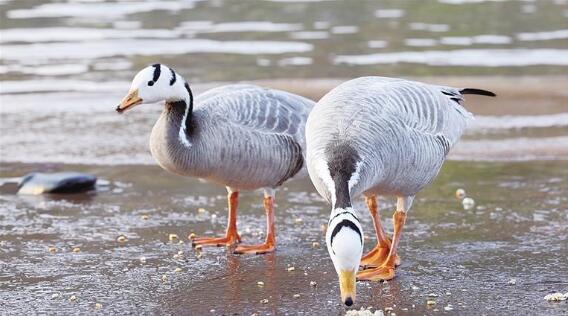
(382, 273)
(255, 249)
(228, 240)
(377, 256)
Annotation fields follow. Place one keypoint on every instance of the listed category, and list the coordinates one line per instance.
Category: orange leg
(386, 270)
(269, 244)
(231, 236)
(380, 252)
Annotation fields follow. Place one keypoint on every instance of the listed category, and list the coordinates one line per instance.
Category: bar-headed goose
(243, 137)
(372, 136)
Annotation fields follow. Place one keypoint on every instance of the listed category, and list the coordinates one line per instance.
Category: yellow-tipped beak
(347, 286)
(131, 100)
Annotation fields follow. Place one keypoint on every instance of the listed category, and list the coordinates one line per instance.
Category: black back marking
(173, 80)
(348, 224)
(478, 92)
(341, 162)
(156, 75)
(342, 213)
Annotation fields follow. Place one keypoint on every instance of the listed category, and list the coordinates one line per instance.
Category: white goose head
(344, 240)
(154, 84)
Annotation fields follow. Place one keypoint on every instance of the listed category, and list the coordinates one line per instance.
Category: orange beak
(129, 101)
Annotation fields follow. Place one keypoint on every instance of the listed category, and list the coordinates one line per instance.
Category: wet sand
(467, 259)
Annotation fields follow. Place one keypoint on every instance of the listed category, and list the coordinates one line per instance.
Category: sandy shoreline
(76, 122)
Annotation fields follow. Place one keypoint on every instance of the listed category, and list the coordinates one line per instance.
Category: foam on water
(130, 47)
(465, 57)
(82, 34)
(100, 10)
(244, 26)
(543, 36)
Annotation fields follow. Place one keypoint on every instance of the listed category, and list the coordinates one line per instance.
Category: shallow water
(467, 258)
(64, 65)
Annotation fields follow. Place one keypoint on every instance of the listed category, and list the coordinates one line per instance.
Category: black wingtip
(478, 92)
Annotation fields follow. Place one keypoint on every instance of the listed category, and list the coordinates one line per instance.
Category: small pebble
(512, 281)
(264, 301)
(315, 244)
(388, 309)
(298, 220)
(121, 239)
(143, 259)
(98, 305)
(260, 283)
(313, 283)
(52, 249)
(145, 217)
(191, 236)
(448, 308)
(76, 250)
(201, 210)
(164, 278)
(73, 298)
(291, 269)
(430, 302)
(556, 297)
(178, 269)
(55, 295)
(460, 194)
(468, 203)
(432, 295)
(173, 237)
(296, 295)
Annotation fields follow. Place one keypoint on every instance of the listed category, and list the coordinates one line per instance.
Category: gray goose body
(239, 136)
(378, 136)
(397, 134)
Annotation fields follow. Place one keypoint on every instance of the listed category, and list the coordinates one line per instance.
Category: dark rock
(61, 182)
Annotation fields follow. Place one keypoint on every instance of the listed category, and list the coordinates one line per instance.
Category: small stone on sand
(468, 203)
(313, 283)
(556, 297)
(164, 278)
(173, 237)
(430, 302)
(73, 298)
(121, 239)
(296, 295)
(145, 217)
(512, 281)
(178, 269)
(290, 269)
(260, 283)
(52, 249)
(98, 305)
(264, 301)
(76, 250)
(143, 259)
(460, 194)
(315, 244)
(55, 295)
